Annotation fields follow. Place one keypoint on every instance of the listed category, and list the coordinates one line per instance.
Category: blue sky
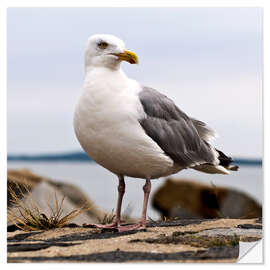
(208, 60)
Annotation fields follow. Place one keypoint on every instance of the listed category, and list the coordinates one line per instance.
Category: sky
(208, 60)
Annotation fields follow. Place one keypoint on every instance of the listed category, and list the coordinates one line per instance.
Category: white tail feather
(211, 169)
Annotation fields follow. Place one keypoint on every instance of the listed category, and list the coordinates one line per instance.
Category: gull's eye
(102, 45)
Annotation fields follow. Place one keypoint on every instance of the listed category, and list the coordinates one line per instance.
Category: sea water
(100, 185)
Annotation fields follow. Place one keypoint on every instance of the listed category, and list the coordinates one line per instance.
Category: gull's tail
(225, 161)
(224, 166)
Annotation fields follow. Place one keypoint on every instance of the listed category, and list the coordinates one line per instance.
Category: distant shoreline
(82, 157)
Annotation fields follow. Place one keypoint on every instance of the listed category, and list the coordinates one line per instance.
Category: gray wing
(180, 137)
(205, 132)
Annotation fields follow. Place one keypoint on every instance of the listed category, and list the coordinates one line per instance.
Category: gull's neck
(105, 72)
(113, 66)
(106, 79)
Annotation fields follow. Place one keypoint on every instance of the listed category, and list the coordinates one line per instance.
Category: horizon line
(80, 156)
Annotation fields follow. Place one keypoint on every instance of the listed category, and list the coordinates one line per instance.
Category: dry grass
(107, 218)
(31, 218)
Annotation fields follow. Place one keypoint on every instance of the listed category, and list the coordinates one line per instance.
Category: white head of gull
(133, 130)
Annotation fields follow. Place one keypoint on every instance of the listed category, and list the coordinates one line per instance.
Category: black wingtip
(226, 161)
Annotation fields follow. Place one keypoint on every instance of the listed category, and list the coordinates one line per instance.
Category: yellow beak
(128, 56)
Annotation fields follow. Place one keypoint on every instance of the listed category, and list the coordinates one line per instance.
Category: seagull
(134, 130)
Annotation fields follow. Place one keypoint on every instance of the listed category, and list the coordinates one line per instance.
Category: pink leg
(121, 192)
(142, 224)
(116, 223)
(147, 190)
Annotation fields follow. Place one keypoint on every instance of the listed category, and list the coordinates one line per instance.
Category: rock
(244, 233)
(21, 181)
(41, 191)
(250, 226)
(190, 199)
(77, 197)
(189, 241)
(44, 196)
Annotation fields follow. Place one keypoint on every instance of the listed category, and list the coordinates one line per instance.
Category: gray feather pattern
(205, 132)
(182, 138)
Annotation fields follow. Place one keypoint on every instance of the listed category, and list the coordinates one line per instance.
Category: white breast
(107, 127)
